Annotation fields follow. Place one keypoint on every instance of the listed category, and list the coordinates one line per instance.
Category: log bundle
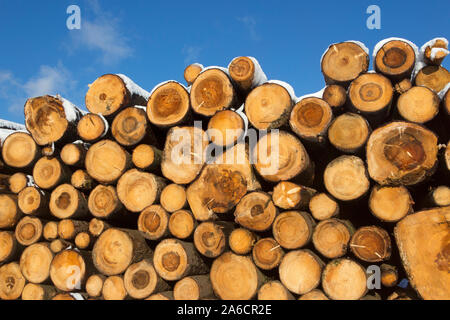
(232, 187)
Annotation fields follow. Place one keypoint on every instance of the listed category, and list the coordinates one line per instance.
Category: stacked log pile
(233, 187)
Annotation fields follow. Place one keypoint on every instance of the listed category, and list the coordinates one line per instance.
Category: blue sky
(153, 41)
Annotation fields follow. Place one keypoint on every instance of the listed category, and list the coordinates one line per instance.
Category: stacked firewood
(233, 187)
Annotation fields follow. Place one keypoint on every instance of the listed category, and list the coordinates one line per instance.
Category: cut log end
(9, 211)
(73, 154)
(267, 253)
(331, 238)
(418, 104)
(146, 157)
(323, 207)
(173, 197)
(349, 132)
(94, 285)
(114, 288)
(28, 231)
(191, 72)
(441, 196)
(390, 203)
(241, 241)
(288, 195)
(225, 128)
(141, 280)
(68, 202)
(315, 294)
(153, 222)
(209, 239)
(103, 202)
(97, 227)
(12, 281)
(17, 182)
(33, 291)
(371, 244)
(35, 262)
(130, 127)
(193, 288)
(395, 59)
(19, 150)
(182, 224)
(68, 270)
(49, 173)
(274, 290)
(433, 77)
(335, 96)
(33, 201)
(92, 127)
(82, 181)
(293, 229)
(256, 211)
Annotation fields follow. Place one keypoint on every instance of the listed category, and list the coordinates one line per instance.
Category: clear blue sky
(153, 41)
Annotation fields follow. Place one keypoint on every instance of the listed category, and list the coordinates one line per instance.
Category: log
(68, 229)
(168, 105)
(191, 72)
(12, 281)
(97, 227)
(10, 249)
(241, 241)
(49, 150)
(395, 59)
(268, 106)
(212, 91)
(300, 271)
(344, 279)
(267, 254)
(141, 280)
(226, 128)
(146, 157)
(130, 127)
(64, 297)
(104, 203)
(114, 288)
(418, 104)
(4, 183)
(371, 95)
(28, 230)
(401, 153)
(315, 294)
(134, 184)
(293, 229)
(256, 211)
(344, 62)
(246, 73)
(50, 231)
(182, 224)
(116, 249)
(35, 262)
(211, 238)
(422, 240)
(389, 275)
(435, 51)
(83, 241)
(322, 207)
(310, 119)
(346, 178)
(49, 172)
(18, 181)
(173, 198)
(33, 201)
(59, 245)
(402, 86)
(20, 151)
(153, 222)
(9, 125)
(113, 92)
(67, 202)
(433, 77)
(331, 237)
(73, 154)
(94, 285)
(371, 244)
(390, 203)
(193, 288)
(82, 181)
(439, 197)
(274, 290)
(33, 291)
(165, 295)
(349, 133)
(184, 154)
(287, 195)
(9, 211)
(174, 259)
(399, 295)
(106, 161)
(336, 97)
(92, 127)
(235, 277)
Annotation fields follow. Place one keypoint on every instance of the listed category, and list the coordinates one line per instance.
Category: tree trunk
(130, 127)
(103, 202)
(48, 173)
(146, 157)
(28, 230)
(433, 77)
(267, 254)
(418, 104)
(20, 151)
(246, 73)
(323, 207)
(73, 154)
(153, 222)
(287, 195)
(371, 244)
(403, 86)
(68, 202)
(390, 203)
(35, 262)
(82, 181)
(336, 97)
(182, 224)
(12, 281)
(92, 127)
(439, 197)
(210, 238)
(395, 59)
(293, 229)
(34, 201)
(191, 72)
(69, 229)
(349, 132)
(193, 288)
(241, 241)
(331, 237)
(274, 290)
(256, 211)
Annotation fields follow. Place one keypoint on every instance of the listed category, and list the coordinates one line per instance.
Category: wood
(241, 241)
(225, 128)
(344, 62)
(168, 105)
(113, 92)
(20, 151)
(423, 242)
(268, 106)
(390, 203)
(182, 224)
(235, 277)
(174, 259)
(12, 281)
(287, 195)
(336, 97)
(68, 202)
(18, 181)
(130, 127)
(28, 230)
(73, 154)
(315, 294)
(106, 161)
(395, 59)
(33, 291)
(193, 288)
(92, 127)
(4, 183)
(35, 262)
(191, 72)
(59, 245)
(153, 222)
(346, 178)
(433, 77)
(116, 249)
(322, 206)
(97, 227)
(440, 196)
(173, 197)
(211, 238)
(446, 103)
(104, 202)
(433, 52)
(33, 201)
(82, 181)
(49, 172)
(300, 271)
(401, 153)
(184, 154)
(418, 104)
(246, 73)
(293, 229)
(274, 290)
(256, 211)
(48, 150)
(68, 229)
(10, 249)
(114, 288)
(138, 190)
(9, 211)
(344, 279)
(64, 296)
(50, 231)
(212, 91)
(389, 275)
(331, 237)
(94, 285)
(371, 95)
(267, 254)
(349, 132)
(371, 244)
(310, 119)
(165, 295)
(83, 241)
(146, 157)
(403, 86)
(141, 280)
(51, 119)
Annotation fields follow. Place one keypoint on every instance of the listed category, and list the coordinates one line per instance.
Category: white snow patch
(133, 87)
(318, 94)
(435, 51)
(216, 67)
(76, 295)
(285, 85)
(442, 93)
(241, 113)
(30, 181)
(71, 111)
(5, 124)
(144, 108)
(259, 77)
(197, 64)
